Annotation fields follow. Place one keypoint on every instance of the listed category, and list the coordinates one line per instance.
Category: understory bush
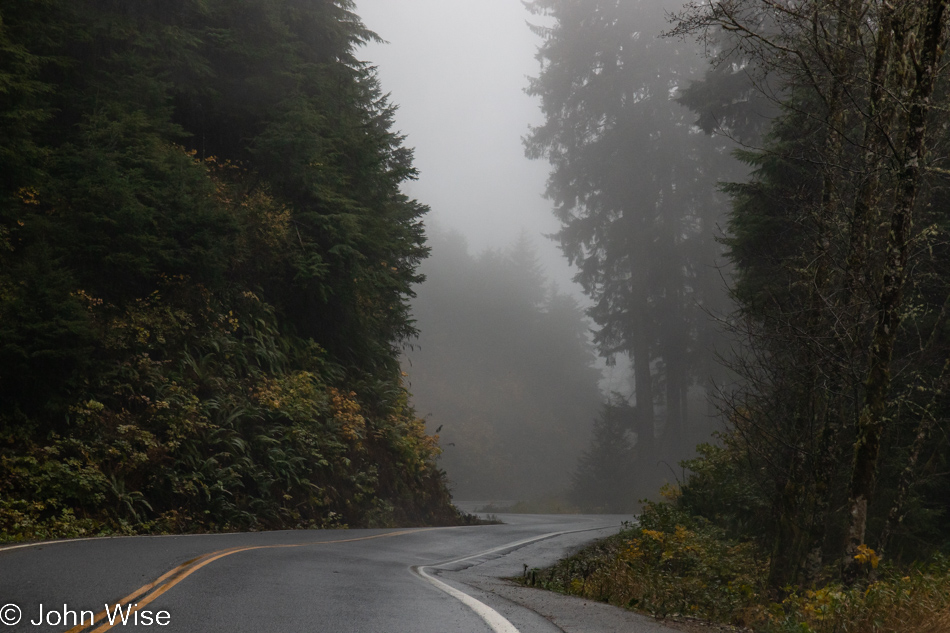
(916, 600)
(672, 564)
(669, 564)
(205, 420)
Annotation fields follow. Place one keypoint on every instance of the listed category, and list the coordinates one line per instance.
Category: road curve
(430, 580)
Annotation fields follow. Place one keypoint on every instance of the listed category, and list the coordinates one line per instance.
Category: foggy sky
(457, 70)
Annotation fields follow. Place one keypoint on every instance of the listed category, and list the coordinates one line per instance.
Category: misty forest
(223, 305)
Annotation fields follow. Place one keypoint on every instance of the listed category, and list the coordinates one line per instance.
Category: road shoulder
(571, 614)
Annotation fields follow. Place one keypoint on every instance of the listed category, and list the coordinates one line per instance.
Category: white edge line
(492, 618)
(501, 547)
(518, 544)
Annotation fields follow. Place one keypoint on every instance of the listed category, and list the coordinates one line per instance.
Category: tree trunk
(924, 428)
(643, 383)
(890, 299)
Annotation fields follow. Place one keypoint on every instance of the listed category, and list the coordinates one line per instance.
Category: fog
(224, 304)
(458, 71)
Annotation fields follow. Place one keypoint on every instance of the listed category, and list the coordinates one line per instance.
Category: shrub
(671, 564)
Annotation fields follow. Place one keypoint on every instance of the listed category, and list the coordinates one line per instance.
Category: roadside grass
(675, 566)
(916, 602)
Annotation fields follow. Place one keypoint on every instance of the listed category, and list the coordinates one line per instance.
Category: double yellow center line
(145, 594)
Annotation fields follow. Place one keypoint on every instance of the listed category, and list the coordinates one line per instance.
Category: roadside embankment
(683, 568)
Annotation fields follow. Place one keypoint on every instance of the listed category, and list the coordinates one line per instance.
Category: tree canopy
(205, 268)
(839, 244)
(634, 185)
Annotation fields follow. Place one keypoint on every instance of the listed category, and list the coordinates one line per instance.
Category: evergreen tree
(605, 478)
(634, 186)
(835, 245)
(206, 268)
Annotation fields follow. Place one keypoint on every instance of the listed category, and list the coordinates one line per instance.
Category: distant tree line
(205, 267)
(835, 451)
(505, 367)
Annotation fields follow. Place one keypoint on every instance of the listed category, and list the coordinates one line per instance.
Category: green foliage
(839, 246)
(722, 489)
(203, 422)
(669, 564)
(674, 564)
(916, 601)
(205, 267)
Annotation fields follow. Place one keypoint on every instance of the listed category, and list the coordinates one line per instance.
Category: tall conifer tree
(633, 184)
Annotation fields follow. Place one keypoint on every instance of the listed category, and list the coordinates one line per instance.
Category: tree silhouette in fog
(504, 364)
(633, 183)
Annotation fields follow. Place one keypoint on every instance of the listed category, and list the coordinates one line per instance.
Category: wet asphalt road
(336, 581)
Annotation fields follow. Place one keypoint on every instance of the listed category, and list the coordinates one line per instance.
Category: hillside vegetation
(205, 263)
